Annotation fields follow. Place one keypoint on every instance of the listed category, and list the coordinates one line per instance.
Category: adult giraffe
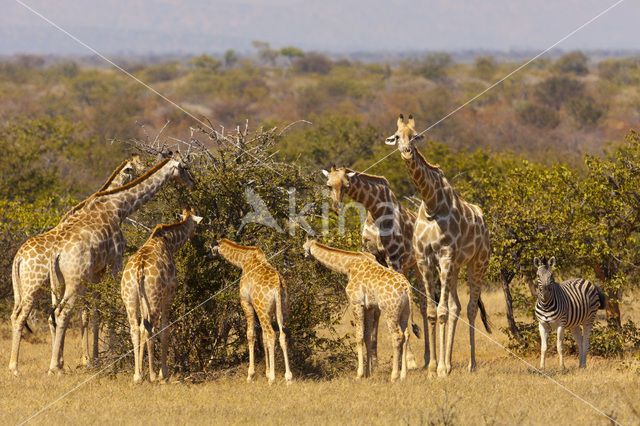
(387, 232)
(450, 233)
(93, 240)
(30, 269)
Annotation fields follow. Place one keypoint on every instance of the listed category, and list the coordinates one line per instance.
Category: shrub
(555, 91)
(538, 115)
(434, 66)
(585, 111)
(573, 62)
(485, 67)
(312, 63)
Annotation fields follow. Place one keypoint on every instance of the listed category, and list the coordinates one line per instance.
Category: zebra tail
(602, 297)
(483, 315)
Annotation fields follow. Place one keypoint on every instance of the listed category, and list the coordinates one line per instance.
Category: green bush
(538, 115)
(586, 111)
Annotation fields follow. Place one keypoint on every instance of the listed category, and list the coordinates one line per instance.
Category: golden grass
(502, 391)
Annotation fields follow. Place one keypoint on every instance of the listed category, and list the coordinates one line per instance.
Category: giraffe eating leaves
(371, 287)
(263, 292)
(149, 286)
(30, 273)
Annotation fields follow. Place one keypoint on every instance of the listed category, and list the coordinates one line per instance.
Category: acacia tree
(609, 234)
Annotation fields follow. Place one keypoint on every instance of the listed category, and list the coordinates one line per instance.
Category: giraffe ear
(400, 121)
(552, 262)
(351, 174)
(324, 172)
(411, 123)
(536, 262)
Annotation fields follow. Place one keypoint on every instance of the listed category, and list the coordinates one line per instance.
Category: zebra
(569, 304)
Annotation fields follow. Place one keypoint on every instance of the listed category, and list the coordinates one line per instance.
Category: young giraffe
(371, 287)
(387, 232)
(263, 291)
(449, 234)
(30, 271)
(149, 285)
(93, 240)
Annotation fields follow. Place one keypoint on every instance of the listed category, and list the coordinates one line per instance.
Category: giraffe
(93, 240)
(263, 291)
(148, 288)
(30, 270)
(387, 232)
(371, 287)
(450, 233)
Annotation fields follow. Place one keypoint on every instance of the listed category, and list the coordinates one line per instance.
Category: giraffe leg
(251, 337)
(18, 320)
(358, 314)
(369, 320)
(476, 272)
(282, 317)
(405, 327)
(560, 345)
(270, 338)
(544, 336)
(429, 317)
(149, 334)
(134, 330)
(454, 312)
(62, 322)
(448, 274)
(84, 335)
(586, 334)
(373, 335)
(397, 337)
(164, 342)
(265, 346)
(423, 303)
(95, 326)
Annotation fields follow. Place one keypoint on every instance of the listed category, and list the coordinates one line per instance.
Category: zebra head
(545, 278)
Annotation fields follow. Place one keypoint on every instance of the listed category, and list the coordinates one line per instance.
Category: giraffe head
(545, 278)
(187, 213)
(307, 247)
(180, 170)
(404, 136)
(337, 180)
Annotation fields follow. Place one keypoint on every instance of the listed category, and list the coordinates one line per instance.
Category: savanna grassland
(503, 391)
(550, 155)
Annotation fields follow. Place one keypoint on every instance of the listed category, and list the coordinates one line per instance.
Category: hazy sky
(169, 26)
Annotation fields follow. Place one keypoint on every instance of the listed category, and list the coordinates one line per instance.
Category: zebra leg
(586, 334)
(577, 336)
(544, 336)
(560, 332)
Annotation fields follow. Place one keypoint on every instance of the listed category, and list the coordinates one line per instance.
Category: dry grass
(502, 391)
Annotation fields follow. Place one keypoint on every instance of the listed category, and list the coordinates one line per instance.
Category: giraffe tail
(54, 278)
(145, 308)
(282, 312)
(15, 279)
(414, 326)
(483, 315)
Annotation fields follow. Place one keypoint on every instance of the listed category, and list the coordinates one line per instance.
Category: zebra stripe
(572, 303)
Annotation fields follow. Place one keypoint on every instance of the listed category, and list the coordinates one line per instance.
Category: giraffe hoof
(137, 380)
(442, 372)
(14, 371)
(84, 362)
(249, 379)
(472, 367)
(288, 377)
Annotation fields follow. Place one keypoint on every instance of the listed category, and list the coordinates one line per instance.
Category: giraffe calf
(262, 292)
(148, 287)
(371, 287)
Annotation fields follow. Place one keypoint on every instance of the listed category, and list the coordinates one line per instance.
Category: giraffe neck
(436, 192)
(117, 178)
(236, 254)
(129, 198)
(334, 259)
(176, 234)
(373, 193)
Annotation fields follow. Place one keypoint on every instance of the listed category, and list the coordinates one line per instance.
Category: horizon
(142, 27)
